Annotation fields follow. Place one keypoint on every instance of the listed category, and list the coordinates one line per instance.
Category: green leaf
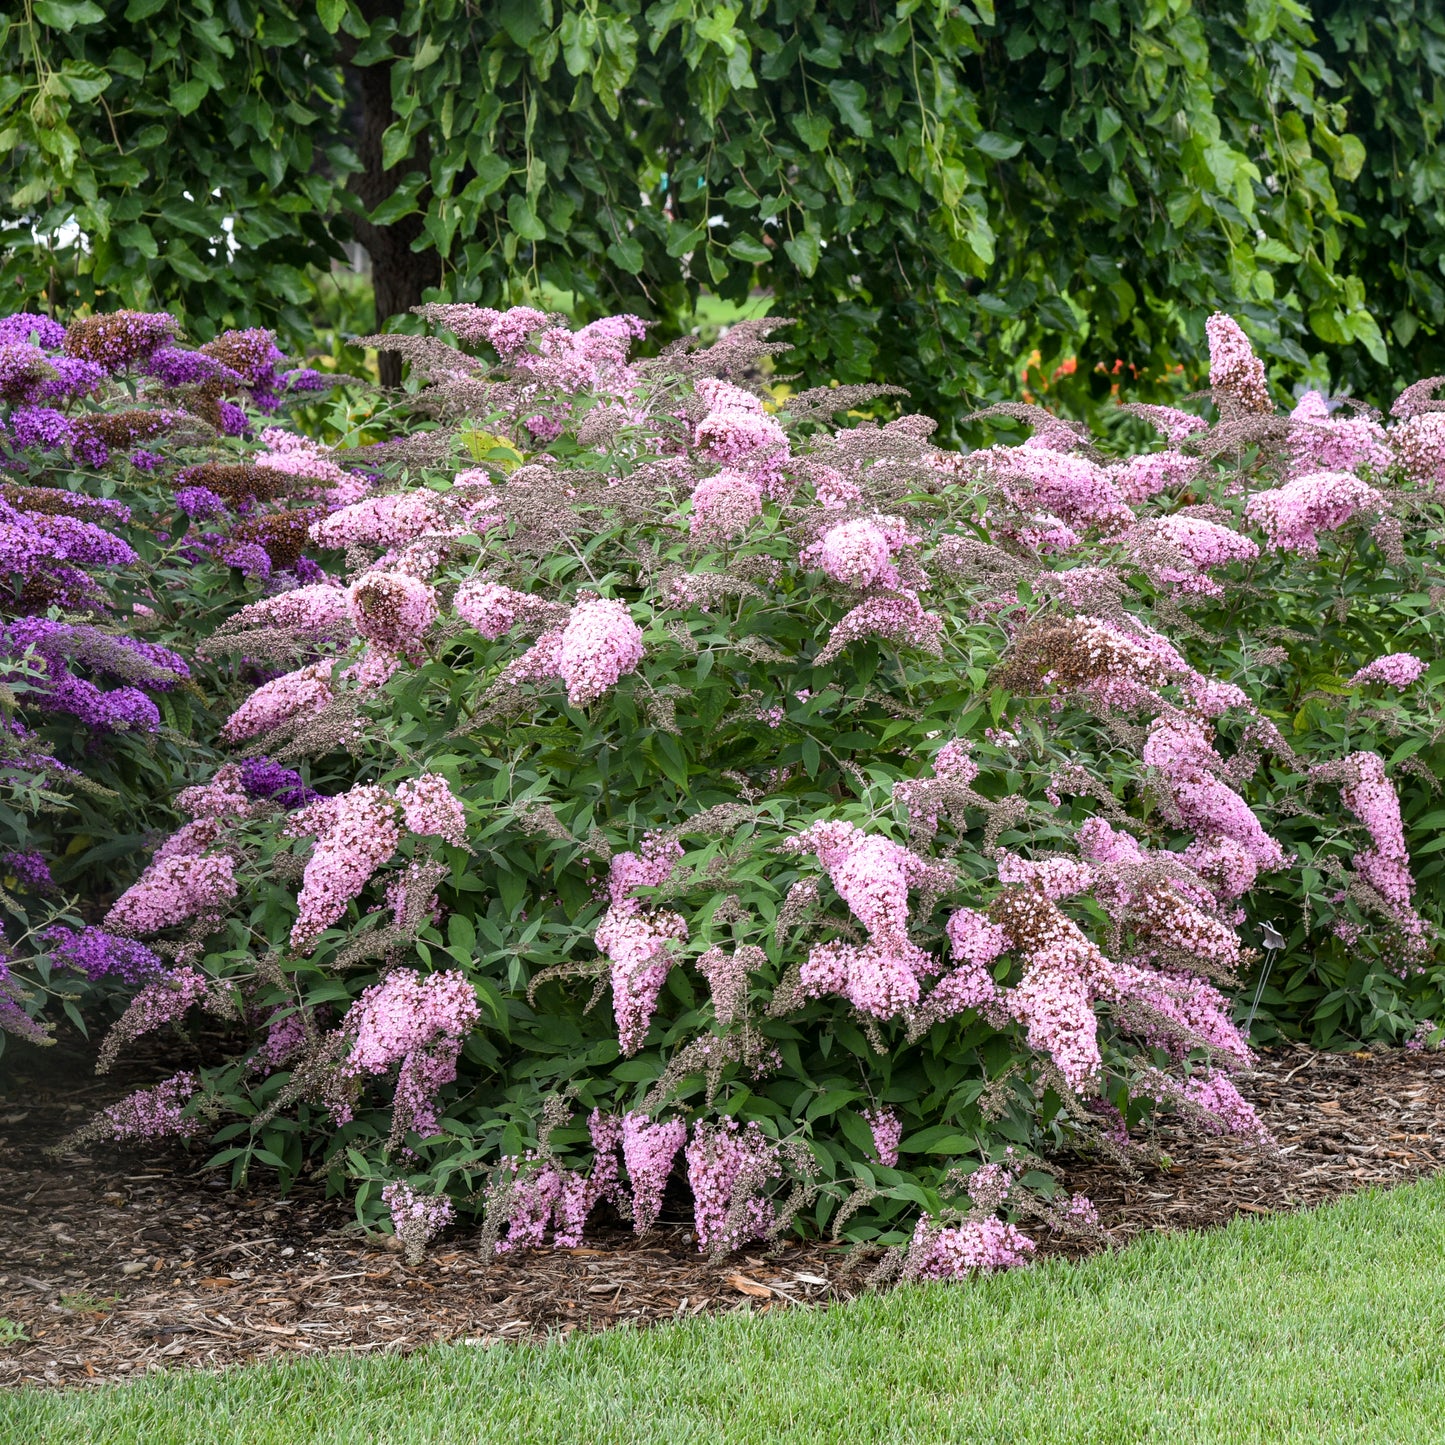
(67, 14)
(491, 175)
(83, 80)
(331, 13)
(1351, 158)
(830, 1101)
(999, 147)
(1271, 250)
(139, 235)
(395, 145)
(461, 935)
(813, 130)
(626, 253)
(182, 260)
(401, 202)
(188, 95)
(143, 9)
(525, 20)
(523, 219)
(802, 250)
(1367, 332)
(851, 98)
(749, 248)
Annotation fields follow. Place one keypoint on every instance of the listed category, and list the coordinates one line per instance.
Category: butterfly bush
(659, 795)
(129, 491)
(416, 1217)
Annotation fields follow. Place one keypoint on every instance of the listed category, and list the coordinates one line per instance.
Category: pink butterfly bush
(1419, 447)
(153, 1113)
(727, 1167)
(636, 940)
(393, 611)
(1293, 515)
(416, 1218)
(1200, 545)
(545, 1195)
(1321, 442)
(860, 553)
(358, 832)
(314, 611)
(872, 875)
(1396, 669)
(1145, 475)
(430, 808)
(292, 695)
(723, 505)
(1236, 374)
(1075, 492)
(736, 428)
(649, 1150)
(1368, 793)
(1063, 974)
(975, 943)
(391, 520)
(895, 617)
(301, 457)
(173, 891)
(415, 1023)
(489, 607)
(597, 646)
(1021, 954)
(1179, 749)
(976, 1245)
(600, 644)
(887, 1130)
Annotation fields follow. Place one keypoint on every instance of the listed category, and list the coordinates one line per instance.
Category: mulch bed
(116, 1263)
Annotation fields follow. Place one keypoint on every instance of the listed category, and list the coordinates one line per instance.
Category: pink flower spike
(599, 645)
(361, 835)
(430, 808)
(1397, 669)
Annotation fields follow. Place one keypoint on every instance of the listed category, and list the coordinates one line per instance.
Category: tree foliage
(943, 188)
(1391, 58)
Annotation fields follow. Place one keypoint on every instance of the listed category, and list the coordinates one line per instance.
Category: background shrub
(944, 190)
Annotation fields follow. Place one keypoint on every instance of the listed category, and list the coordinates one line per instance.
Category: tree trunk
(399, 274)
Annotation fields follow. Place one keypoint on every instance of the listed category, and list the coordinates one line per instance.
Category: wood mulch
(116, 1263)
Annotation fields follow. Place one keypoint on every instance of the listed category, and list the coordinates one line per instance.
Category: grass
(1318, 1327)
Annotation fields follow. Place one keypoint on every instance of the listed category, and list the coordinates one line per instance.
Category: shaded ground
(117, 1262)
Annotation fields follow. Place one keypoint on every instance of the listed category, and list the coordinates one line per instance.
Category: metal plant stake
(1273, 942)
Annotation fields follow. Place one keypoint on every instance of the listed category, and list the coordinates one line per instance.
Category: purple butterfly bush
(175, 367)
(304, 379)
(117, 339)
(114, 655)
(29, 869)
(98, 954)
(73, 380)
(233, 420)
(263, 779)
(200, 504)
(40, 427)
(27, 327)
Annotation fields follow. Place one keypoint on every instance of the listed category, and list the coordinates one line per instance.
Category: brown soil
(115, 1263)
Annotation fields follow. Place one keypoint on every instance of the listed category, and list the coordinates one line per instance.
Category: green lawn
(1322, 1327)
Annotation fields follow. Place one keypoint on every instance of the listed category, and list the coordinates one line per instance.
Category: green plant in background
(1390, 58)
(945, 189)
(177, 155)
